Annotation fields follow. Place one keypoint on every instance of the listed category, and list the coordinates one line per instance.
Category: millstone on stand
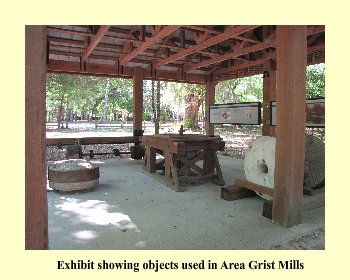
(259, 163)
(315, 158)
(74, 175)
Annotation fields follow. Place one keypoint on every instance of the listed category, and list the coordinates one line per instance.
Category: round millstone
(315, 159)
(259, 163)
(73, 175)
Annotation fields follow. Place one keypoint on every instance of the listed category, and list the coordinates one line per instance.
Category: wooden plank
(110, 71)
(191, 164)
(184, 137)
(183, 169)
(217, 145)
(290, 125)
(254, 187)
(92, 140)
(60, 141)
(108, 140)
(158, 143)
(36, 213)
(195, 148)
(235, 192)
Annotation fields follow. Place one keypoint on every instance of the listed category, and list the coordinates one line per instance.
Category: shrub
(189, 123)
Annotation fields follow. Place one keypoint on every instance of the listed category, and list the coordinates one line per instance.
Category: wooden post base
(242, 189)
(309, 203)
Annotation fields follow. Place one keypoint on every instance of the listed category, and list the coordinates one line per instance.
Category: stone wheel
(73, 175)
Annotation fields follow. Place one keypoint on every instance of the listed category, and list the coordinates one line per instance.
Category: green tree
(121, 97)
(88, 95)
(315, 81)
(248, 89)
(60, 90)
(225, 91)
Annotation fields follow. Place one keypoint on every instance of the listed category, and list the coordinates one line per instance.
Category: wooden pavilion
(190, 54)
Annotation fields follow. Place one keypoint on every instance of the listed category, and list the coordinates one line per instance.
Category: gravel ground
(313, 240)
(237, 140)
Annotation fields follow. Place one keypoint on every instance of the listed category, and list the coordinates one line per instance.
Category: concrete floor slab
(131, 211)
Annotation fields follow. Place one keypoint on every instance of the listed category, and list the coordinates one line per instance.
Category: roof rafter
(201, 28)
(237, 52)
(188, 53)
(128, 44)
(162, 33)
(99, 35)
(229, 33)
(162, 49)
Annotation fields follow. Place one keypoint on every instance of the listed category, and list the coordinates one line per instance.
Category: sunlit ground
(131, 211)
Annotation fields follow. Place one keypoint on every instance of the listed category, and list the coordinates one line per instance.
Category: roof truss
(187, 53)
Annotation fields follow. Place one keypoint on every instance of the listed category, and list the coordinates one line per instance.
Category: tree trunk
(156, 106)
(67, 112)
(106, 101)
(60, 114)
(156, 125)
(192, 108)
(152, 104)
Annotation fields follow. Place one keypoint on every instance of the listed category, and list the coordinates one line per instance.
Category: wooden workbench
(181, 153)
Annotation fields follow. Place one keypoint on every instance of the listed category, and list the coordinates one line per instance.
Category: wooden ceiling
(170, 52)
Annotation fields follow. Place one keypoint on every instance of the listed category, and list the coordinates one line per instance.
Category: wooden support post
(138, 99)
(308, 203)
(220, 180)
(209, 162)
(150, 159)
(36, 213)
(290, 125)
(269, 94)
(209, 100)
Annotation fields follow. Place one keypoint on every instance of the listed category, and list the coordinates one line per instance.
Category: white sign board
(236, 113)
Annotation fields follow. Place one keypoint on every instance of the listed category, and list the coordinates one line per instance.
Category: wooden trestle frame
(181, 153)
